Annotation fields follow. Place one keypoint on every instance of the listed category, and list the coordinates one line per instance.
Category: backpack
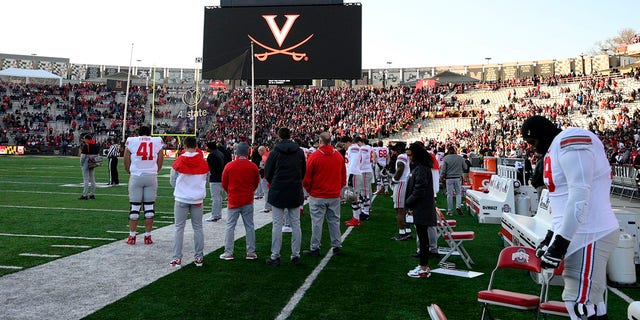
(94, 160)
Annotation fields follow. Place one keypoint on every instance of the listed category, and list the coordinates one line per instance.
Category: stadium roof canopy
(30, 76)
(452, 77)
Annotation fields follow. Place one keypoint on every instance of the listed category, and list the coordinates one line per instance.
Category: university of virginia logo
(280, 35)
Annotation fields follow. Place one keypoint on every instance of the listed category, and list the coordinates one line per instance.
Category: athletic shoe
(301, 210)
(379, 192)
(313, 253)
(198, 262)
(419, 273)
(353, 223)
(83, 198)
(251, 256)
(459, 211)
(364, 217)
(337, 251)
(258, 198)
(176, 263)
(212, 219)
(226, 256)
(273, 262)
(131, 240)
(287, 228)
(266, 210)
(147, 240)
(386, 193)
(295, 261)
(93, 197)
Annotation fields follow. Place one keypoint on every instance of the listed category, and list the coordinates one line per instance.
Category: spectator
(284, 171)
(324, 179)
(143, 159)
(189, 180)
(264, 155)
(240, 179)
(215, 162)
(585, 229)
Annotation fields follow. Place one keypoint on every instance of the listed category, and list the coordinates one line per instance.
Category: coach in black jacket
(284, 171)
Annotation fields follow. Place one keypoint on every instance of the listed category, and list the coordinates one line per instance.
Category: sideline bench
(499, 198)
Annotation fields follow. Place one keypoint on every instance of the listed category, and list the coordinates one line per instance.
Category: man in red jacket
(240, 179)
(324, 179)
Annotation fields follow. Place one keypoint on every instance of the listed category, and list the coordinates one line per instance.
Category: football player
(143, 158)
(584, 229)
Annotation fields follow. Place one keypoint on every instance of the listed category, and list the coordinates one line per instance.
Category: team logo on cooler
(506, 208)
(280, 34)
(520, 256)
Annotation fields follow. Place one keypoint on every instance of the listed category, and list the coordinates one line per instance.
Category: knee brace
(134, 214)
(149, 212)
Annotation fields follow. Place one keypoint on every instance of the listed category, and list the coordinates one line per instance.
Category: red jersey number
(382, 153)
(145, 151)
(547, 174)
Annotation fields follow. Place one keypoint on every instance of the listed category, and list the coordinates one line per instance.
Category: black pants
(423, 239)
(113, 171)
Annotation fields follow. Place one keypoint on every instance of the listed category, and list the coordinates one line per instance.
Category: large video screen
(290, 42)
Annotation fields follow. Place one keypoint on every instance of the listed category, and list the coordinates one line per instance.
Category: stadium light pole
(253, 99)
(126, 96)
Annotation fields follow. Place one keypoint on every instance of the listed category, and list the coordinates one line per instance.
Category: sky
(406, 33)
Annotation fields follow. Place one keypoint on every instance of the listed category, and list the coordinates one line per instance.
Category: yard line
(53, 237)
(70, 246)
(293, 302)
(113, 231)
(76, 209)
(11, 267)
(40, 255)
(62, 193)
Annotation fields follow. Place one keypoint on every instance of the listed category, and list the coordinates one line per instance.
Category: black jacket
(284, 170)
(215, 160)
(419, 196)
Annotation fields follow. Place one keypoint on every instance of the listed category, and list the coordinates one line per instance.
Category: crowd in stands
(43, 116)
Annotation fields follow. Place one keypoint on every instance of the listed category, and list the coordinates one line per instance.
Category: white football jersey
(403, 158)
(367, 159)
(382, 153)
(354, 159)
(576, 167)
(144, 154)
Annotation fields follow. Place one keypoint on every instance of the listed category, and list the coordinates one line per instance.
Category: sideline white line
(11, 267)
(112, 231)
(65, 193)
(293, 302)
(40, 255)
(53, 237)
(70, 246)
(620, 294)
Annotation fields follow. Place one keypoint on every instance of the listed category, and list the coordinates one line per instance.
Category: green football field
(41, 220)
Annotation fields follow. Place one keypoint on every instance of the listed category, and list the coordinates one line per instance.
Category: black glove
(350, 181)
(554, 255)
(544, 245)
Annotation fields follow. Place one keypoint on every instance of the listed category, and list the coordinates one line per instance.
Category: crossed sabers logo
(280, 35)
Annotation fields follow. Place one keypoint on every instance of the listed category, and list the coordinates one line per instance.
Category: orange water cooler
(479, 178)
(491, 164)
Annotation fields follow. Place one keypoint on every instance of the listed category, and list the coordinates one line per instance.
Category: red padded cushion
(553, 306)
(461, 235)
(498, 296)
